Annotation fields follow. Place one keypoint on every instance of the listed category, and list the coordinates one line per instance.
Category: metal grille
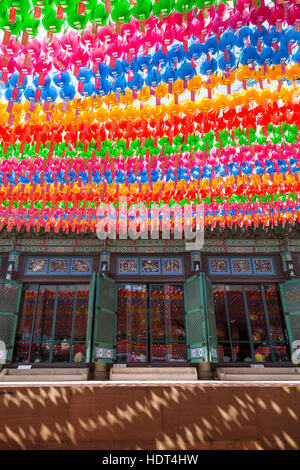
(105, 328)
(196, 327)
(193, 300)
(292, 296)
(9, 291)
(107, 294)
(6, 329)
(295, 326)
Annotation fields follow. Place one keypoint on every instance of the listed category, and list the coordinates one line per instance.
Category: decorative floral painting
(241, 266)
(37, 266)
(172, 266)
(263, 266)
(219, 266)
(81, 266)
(150, 266)
(128, 266)
(59, 266)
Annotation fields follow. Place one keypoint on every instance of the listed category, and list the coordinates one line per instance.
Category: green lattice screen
(211, 320)
(193, 294)
(105, 320)
(196, 328)
(200, 319)
(10, 296)
(90, 318)
(290, 294)
(10, 292)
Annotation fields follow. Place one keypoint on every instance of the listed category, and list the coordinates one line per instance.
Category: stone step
(148, 378)
(259, 371)
(153, 370)
(152, 378)
(46, 371)
(42, 378)
(261, 378)
(153, 374)
(259, 374)
(44, 374)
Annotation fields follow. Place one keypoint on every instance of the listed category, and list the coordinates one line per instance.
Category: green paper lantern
(204, 3)
(50, 22)
(178, 139)
(142, 10)
(89, 4)
(22, 6)
(163, 8)
(163, 141)
(99, 15)
(14, 28)
(3, 7)
(62, 3)
(121, 12)
(43, 4)
(75, 20)
(184, 6)
(30, 25)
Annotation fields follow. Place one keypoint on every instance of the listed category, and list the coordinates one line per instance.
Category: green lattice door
(104, 348)
(290, 294)
(200, 320)
(10, 296)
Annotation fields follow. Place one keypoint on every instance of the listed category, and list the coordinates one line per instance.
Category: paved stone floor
(156, 416)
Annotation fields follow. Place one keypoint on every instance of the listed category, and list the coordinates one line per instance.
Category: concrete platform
(179, 416)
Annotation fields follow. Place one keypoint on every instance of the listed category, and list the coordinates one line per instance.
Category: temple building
(128, 303)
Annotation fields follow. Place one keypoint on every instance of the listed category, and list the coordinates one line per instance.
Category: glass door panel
(132, 331)
(151, 323)
(139, 330)
(64, 313)
(123, 324)
(223, 333)
(80, 323)
(158, 323)
(237, 313)
(250, 324)
(220, 312)
(63, 323)
(280, 346)
(81, 313)
(256, 313)
(24, 329)
(259, 328)
(53, 324)
(274, 312)
(175, 320)
(42, 331)
(241, 348)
